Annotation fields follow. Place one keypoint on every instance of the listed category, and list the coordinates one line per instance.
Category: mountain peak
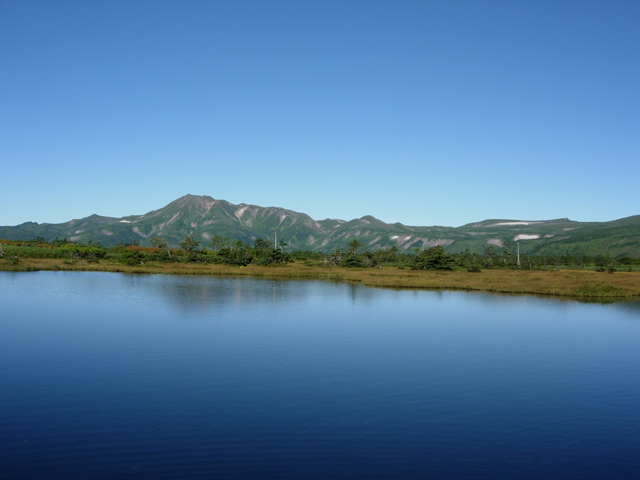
(204, 217)
(194, 198)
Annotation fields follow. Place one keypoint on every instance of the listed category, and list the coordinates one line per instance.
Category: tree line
(222, 250)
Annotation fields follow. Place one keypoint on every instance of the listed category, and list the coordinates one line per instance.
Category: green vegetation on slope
(221, 250)
(203, 218)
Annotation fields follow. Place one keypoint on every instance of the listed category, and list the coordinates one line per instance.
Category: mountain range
(203, 217)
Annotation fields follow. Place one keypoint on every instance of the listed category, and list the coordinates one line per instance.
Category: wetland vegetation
(495, 271)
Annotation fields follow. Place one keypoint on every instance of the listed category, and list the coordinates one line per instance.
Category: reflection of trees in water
(204, 293)
(362, 294)
(208, 293)
(489, 298)
(630, 307)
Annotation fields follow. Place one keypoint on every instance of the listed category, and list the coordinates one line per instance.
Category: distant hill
(204, 217)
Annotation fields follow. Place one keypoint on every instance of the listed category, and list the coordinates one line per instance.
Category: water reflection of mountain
(204, 293)
(208, 293)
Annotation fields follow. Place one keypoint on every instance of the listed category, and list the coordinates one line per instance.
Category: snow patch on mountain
(524, 236)
(400, 239)
(501, 224)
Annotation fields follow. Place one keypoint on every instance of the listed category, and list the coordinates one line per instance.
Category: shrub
(433, 258)
(12, 259)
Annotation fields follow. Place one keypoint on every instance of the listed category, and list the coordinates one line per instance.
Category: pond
(108, 375)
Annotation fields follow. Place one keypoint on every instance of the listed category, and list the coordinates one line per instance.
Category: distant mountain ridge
(203, 217)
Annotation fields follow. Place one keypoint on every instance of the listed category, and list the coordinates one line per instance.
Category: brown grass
(565, 283)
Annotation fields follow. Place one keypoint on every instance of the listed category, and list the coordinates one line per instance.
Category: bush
(354, 261)
(272, 257)
(433, 258)
(133, 258)
(12, 259)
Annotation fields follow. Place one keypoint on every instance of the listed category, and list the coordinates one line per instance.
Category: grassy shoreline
(561, 283)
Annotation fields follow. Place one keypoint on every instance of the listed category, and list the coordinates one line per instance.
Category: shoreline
(578, 284)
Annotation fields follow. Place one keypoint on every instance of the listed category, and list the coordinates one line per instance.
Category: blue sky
(426, 113)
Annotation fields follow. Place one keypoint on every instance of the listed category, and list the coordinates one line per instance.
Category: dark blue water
(115, 376)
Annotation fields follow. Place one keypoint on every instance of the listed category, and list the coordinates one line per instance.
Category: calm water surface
(120, 376)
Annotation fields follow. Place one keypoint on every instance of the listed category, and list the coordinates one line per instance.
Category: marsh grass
(599, 290)
(564, 283)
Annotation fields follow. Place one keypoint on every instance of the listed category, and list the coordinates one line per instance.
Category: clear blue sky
(420, 112)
